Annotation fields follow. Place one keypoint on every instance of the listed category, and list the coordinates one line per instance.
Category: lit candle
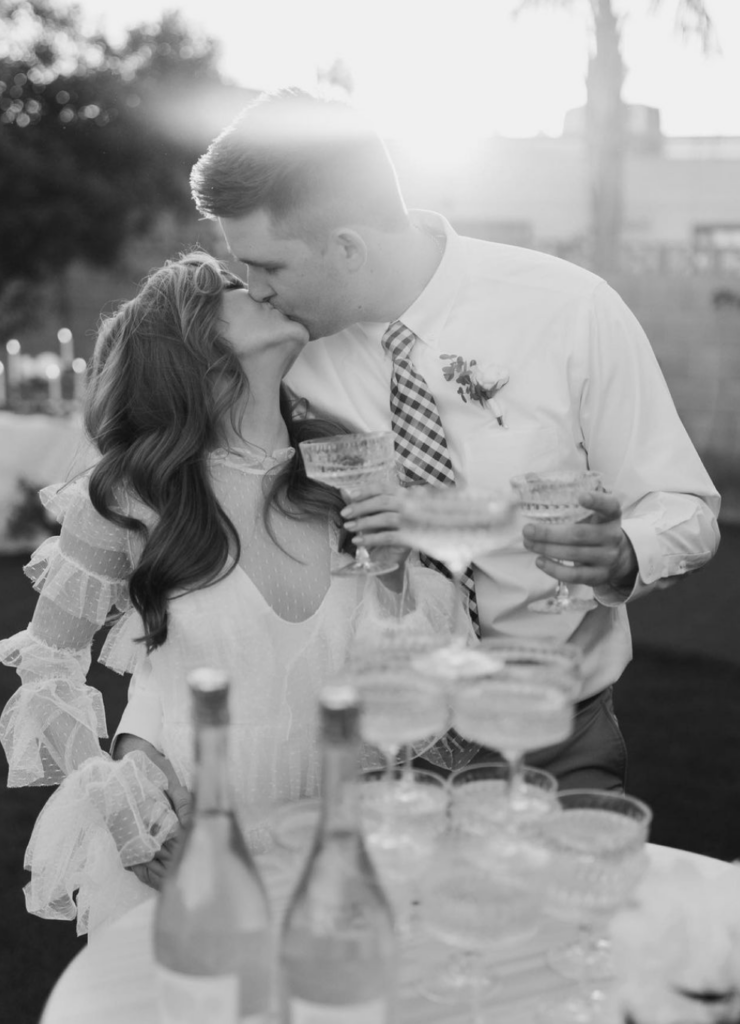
(54, 376)
(66, 346)
(79, 366)
(13, 348)
(3, 388)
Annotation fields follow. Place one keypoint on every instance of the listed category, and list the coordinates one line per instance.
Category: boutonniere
(476, 386)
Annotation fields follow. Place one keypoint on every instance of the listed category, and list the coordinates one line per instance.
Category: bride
(199, 526)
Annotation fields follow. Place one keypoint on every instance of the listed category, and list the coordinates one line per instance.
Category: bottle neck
(341, 798)
(212, 791)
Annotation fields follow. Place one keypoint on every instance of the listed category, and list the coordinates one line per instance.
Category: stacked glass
(454, 525)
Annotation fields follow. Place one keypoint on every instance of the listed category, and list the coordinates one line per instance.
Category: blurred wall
(533, 192)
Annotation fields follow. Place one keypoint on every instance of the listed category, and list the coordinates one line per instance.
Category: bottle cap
(210, 692)
(340, 713)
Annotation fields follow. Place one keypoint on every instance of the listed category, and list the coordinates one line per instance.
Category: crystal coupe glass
(399, 708)
(553, 498)
(479, 897)
(514, 713)
(355, 464)
(454, 525)
(597, 851)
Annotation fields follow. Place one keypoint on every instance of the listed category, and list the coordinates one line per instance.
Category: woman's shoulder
(71, 504)
(127, 502)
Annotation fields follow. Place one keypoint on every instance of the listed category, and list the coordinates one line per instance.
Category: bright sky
(461, 68)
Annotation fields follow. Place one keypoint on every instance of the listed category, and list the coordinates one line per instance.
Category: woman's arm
(53, 722)
(152, 872)
(104, 815)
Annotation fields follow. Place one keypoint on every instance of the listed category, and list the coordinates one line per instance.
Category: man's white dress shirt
(584, 391)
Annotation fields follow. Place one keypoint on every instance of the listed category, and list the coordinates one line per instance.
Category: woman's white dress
(279, 624)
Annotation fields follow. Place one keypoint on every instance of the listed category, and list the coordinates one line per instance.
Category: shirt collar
(428, 314)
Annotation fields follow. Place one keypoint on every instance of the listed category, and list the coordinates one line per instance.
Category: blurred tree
(605, 139)
(81, 167)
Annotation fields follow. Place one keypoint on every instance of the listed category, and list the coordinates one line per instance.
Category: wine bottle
(212, 940)
(337, 944)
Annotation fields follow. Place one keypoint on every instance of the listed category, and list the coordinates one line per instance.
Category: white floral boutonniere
(475, 385)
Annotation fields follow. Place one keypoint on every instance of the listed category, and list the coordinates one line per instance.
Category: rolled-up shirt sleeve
(633, 434)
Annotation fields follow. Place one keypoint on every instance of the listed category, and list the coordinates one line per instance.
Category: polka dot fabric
(279, 624)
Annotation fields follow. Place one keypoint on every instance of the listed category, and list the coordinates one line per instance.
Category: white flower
(491, 379)
(680, 939)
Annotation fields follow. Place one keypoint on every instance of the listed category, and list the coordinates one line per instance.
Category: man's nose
(259, 287)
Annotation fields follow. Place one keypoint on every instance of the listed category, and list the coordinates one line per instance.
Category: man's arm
(660, 520)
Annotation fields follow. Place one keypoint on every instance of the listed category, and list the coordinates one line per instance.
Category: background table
(40, 450)
(112, 980)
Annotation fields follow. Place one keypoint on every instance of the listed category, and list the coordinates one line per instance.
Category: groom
(486, 361)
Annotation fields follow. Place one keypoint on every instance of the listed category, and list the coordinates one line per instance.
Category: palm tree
(605, 108)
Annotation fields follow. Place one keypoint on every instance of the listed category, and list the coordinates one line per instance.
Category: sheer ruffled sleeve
(51, 724)
(107, 816)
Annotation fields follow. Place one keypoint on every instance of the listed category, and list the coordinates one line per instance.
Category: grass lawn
(678, 703)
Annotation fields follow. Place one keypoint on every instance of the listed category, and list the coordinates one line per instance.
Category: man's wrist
(625, 575)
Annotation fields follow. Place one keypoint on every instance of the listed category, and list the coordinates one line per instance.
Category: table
(40, 450)
(112, 979)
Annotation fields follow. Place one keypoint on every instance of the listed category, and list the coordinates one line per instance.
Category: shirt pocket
(493, 455)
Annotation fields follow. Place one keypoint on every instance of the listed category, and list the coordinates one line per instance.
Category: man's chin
(325, 331)
(306, 327)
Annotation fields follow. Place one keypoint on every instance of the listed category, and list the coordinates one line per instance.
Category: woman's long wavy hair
(163, 384)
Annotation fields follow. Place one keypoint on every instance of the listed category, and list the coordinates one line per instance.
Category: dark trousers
(593, 757)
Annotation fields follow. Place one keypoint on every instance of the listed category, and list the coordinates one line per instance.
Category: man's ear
(350, 249)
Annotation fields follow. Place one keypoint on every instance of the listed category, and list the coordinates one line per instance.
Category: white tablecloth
(41, 450)
(112, 980)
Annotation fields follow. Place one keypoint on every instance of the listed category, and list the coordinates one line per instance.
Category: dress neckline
(251, 457)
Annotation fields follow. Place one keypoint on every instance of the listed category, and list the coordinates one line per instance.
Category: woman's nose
(259, 287)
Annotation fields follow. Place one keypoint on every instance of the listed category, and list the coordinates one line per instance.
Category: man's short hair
(311, 163)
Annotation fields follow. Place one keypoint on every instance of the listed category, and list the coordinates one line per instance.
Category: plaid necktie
(419, 436)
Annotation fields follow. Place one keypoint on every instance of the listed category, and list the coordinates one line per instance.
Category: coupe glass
(454, 525)
(513, 712)
(553, 498)
(597, 849)
(395, 648)
(479, 900)
(480, 804)
(402, 823)
(399, 708)
(560, 662)
(355, 464)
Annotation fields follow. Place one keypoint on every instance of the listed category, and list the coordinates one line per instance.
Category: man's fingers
(606, 505)
(583, 555)
(590, 575)
(371, 524)
(371, 505)
(599, 533)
